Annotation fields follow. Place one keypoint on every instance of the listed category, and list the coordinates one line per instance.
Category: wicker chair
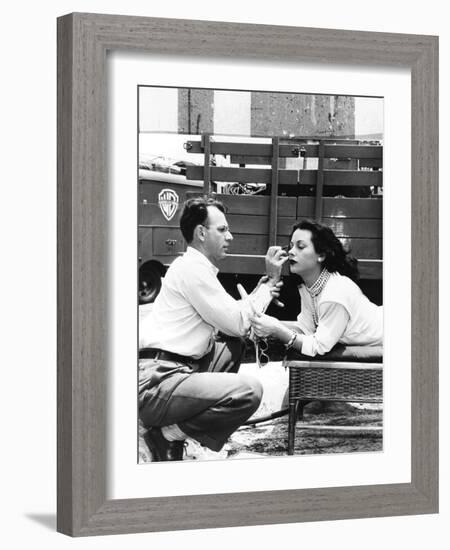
(346, 373)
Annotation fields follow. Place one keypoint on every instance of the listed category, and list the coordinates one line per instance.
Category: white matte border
(127, 479)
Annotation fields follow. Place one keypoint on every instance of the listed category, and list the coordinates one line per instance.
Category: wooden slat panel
(335, 210)
(243, 264)
(243, 175)
(257, 224)
(242, 206)
(246, 264)
(251, 244)
(343, 228)
(309, 150)
(342, 177)
(252, 204)
(342, 207)
(241, 222)
(274, 192)
(244, 149)
(288, 177)
(306, 207)
(206, 143)
(371, 269)
(340, 164)
(259, 243)
(319, 186)
(368, 249)
(367, 162)
(351, 207)
(371, 163)
(343, 151)
(354, 151)
(240, 159)
(257, 205)
(362, 228)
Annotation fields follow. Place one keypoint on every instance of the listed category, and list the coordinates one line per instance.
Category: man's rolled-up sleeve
(221, 310)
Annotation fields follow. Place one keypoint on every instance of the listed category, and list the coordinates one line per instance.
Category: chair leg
(291, 426)
(301, 406)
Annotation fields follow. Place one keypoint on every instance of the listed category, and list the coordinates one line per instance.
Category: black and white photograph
(222, 267)
(260, 269)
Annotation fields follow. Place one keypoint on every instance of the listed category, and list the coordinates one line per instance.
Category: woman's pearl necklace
(315, 289)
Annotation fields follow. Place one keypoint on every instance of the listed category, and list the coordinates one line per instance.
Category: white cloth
(345, 315)
(192, 305)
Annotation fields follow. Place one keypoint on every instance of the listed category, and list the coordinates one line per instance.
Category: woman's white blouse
(345, 315)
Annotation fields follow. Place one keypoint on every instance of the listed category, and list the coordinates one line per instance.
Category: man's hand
(265, 325)
(261, 325)
(274, 287)
(275, 258)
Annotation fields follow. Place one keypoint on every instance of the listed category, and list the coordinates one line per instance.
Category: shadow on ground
(270, 438)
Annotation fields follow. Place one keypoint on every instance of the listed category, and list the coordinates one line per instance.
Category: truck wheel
(149, 283)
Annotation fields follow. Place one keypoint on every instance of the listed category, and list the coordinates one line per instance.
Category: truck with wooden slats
(337, 182)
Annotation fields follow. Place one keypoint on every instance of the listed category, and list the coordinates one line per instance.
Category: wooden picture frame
(83, 41)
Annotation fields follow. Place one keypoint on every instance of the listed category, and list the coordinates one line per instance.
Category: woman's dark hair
(327, 244)
(195, 212)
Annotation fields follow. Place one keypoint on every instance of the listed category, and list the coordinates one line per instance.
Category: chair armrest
(359, 354)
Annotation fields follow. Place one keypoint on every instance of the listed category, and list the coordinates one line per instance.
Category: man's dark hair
(195, 212)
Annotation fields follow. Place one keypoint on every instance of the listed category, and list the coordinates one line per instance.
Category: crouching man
(189, 384)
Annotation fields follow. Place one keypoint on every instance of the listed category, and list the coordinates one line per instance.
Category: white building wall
(232, 112)
(158, 109)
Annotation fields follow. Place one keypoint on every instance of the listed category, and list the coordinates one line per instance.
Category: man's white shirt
(193, 305)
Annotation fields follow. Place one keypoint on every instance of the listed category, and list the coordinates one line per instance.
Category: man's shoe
(162, 449)
(193, 450)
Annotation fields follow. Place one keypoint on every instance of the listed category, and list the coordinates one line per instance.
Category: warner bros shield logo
(168, 203)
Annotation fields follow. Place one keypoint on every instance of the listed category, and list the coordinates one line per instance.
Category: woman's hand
(275, 258)
(274, 287)
(265, 326)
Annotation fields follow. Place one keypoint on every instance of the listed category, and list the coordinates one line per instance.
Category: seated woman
(333, 307)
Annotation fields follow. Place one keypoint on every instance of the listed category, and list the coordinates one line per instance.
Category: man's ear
(199, 232)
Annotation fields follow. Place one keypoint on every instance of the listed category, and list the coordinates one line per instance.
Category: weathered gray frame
(83, 41)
